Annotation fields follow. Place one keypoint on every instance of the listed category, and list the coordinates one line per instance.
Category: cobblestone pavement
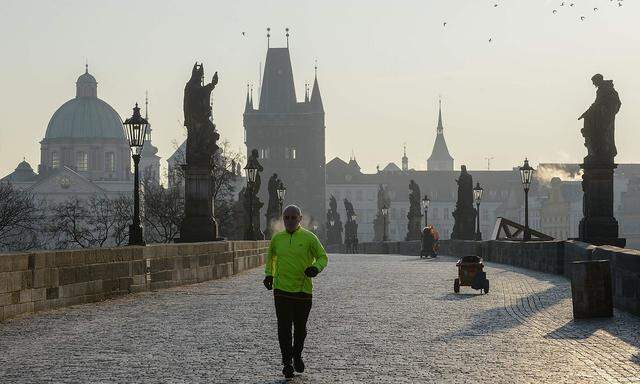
(375, 319)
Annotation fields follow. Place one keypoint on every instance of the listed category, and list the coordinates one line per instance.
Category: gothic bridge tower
(289, 136)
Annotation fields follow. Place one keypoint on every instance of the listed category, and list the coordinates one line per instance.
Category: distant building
(289, 136)
(555, 197)
(84, 151)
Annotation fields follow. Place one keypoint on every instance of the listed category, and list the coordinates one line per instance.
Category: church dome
(86, 116)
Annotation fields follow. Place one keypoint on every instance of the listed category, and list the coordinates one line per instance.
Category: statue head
(292, 216)
(597, 79)
(463, 168)
(197, 73)
(254, 153)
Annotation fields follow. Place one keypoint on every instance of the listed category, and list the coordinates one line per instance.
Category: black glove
(268, 282)
(311, 271)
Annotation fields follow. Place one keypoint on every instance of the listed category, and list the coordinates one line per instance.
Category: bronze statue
(464, 215)
(599, 123)
(415, 212)
(334, 224)
(201, 132)
(379, 227)
(350, 228)
(273, 206)
(252, 201)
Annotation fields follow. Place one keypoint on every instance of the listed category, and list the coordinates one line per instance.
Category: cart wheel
(456, 285)
(486, 286)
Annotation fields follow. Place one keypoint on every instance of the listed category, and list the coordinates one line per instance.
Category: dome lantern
(86, 86)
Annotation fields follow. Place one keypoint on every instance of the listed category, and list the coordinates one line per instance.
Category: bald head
(292, 216)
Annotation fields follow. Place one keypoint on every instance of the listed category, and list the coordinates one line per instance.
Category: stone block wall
(32, 282)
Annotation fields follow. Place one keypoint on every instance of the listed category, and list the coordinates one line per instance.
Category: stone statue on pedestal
(380, 224)
(334, 225)
(252, 201)
(464, 214)
(199, 223)
(415, 212)
(598, 226)
(273, 206)
(350, 228)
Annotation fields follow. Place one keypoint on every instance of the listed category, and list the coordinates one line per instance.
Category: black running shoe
(287, 371)
(298, 364)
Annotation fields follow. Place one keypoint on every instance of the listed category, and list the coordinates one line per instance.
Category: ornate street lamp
(281, 192)
(252, 172)
(136, 129)
(477, 196)
(385, 212)
(526, 173)
(425, 207)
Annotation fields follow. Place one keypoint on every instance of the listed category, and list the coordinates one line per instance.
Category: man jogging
(295, 256)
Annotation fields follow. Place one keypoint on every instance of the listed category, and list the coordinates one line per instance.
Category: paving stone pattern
(375, 319)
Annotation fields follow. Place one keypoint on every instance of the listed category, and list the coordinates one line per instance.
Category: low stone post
(591, 289)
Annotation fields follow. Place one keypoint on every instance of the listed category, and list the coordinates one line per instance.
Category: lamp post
(281, 192)
(136, 130)
(425, 207)
(477, 196)
(385, 212)
(526, 172)
(252, 172)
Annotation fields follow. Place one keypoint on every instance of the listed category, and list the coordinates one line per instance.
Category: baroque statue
(464, 215)
(599, 123)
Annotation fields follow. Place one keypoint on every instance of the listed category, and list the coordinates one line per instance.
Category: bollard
(591, 289)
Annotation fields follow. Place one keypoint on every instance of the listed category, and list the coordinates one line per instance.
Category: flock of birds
(555, 11)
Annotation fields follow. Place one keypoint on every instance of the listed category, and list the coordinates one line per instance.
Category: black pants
(291, 310)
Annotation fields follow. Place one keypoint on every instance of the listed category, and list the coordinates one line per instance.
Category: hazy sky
(381, 67)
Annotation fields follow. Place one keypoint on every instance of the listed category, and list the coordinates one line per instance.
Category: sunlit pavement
(375, 319)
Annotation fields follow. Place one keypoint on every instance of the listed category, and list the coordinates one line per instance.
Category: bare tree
(20, 218)
(95, 222)
(122, 218)
(163, 212)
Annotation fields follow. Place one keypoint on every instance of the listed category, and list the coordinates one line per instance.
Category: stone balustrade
(36, 281)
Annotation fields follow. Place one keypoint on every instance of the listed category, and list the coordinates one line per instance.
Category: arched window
(55, 160)
(82, 161)
(110, 162)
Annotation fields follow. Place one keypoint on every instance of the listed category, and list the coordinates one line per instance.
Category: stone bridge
(376, 318)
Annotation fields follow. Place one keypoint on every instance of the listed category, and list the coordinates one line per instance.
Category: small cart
(471, 274)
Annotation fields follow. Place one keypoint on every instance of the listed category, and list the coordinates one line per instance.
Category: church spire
(440, 126)
(440, 159)
(247, 104)
(316, 99)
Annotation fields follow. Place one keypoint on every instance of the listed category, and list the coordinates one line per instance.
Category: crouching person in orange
(295, 257)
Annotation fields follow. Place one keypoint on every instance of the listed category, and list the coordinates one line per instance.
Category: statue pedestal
(198, 225)
(464, 227)
(598, 226)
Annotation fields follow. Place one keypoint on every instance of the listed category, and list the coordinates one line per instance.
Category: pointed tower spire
(440, 126)
(146, 105)
(251, 97)
(268, 36)
(247, 104)
(440, 159)
(316, 99)
(306, 92)
(287, 35)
